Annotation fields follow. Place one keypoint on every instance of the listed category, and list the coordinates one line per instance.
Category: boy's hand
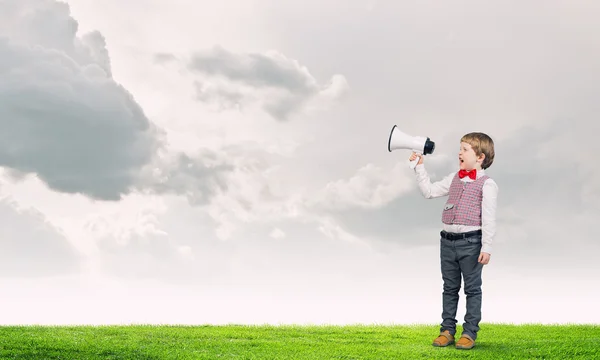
(484, 258)
(414, 156)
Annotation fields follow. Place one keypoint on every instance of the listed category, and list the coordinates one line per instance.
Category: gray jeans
(459, 257)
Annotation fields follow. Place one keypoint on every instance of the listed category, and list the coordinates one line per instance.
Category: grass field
(496, 341)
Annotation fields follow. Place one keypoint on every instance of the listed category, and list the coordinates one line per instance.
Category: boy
(469, 226)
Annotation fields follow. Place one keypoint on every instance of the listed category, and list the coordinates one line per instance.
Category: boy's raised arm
(432, 190)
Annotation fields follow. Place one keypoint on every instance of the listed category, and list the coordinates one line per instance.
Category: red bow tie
(472, 174)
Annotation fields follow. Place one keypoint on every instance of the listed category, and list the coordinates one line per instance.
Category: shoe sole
(438, 345)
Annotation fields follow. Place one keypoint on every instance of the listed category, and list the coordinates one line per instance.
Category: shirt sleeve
(488, 215)
(432, 190)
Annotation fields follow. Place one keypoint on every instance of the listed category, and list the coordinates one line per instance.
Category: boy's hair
(481, 143)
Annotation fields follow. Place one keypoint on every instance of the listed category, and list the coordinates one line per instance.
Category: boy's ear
(481, 157)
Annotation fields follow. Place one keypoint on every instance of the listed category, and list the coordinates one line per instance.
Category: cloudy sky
(194, 162)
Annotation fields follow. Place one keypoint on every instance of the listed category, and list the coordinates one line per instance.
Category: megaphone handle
(413, 163)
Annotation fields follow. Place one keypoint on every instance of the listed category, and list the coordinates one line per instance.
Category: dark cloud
(61, 114)
(64, 118)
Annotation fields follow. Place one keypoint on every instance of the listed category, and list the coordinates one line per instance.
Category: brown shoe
(444, 339)
(465, 342)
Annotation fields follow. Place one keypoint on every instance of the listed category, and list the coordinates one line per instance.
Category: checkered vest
(464, 202)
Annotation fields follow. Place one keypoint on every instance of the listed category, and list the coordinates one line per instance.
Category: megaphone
(419, 144)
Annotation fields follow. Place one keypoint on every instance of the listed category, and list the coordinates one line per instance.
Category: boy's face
(467, 159)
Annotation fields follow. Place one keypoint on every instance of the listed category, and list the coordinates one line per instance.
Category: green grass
(495, 341)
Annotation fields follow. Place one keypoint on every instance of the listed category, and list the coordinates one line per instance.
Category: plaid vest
(464, 202)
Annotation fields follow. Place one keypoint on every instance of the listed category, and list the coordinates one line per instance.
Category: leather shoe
(444, 339)
(465, 342)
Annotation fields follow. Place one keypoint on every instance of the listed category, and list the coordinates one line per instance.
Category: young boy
(469, 226)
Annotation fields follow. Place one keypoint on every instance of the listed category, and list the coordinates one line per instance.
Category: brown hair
(481, 143)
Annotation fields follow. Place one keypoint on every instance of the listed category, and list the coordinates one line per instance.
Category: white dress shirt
(488, 206)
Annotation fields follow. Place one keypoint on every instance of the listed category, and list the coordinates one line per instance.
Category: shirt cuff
(486, 248)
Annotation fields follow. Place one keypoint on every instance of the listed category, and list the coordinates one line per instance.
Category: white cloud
(277, 233)
(369, 188)
(252, 195)
(332, 230)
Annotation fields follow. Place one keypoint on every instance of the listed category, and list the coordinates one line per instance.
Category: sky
(188, 162)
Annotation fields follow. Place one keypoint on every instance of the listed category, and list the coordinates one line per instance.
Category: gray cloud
(280, 84)
(61, 114)
(163, 58)
(64, 118)
(31, 247)
(198, 178)
(254, 69)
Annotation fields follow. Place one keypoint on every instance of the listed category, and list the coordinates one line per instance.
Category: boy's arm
(488, 215)
(432, 190)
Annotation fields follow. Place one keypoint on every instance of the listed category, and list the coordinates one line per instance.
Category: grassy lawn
(496, 341)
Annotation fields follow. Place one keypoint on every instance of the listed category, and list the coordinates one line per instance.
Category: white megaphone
(419, 144)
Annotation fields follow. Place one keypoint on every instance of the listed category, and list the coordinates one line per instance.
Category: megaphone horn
(419, 144)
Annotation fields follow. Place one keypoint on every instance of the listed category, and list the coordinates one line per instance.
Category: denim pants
(459, 258)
